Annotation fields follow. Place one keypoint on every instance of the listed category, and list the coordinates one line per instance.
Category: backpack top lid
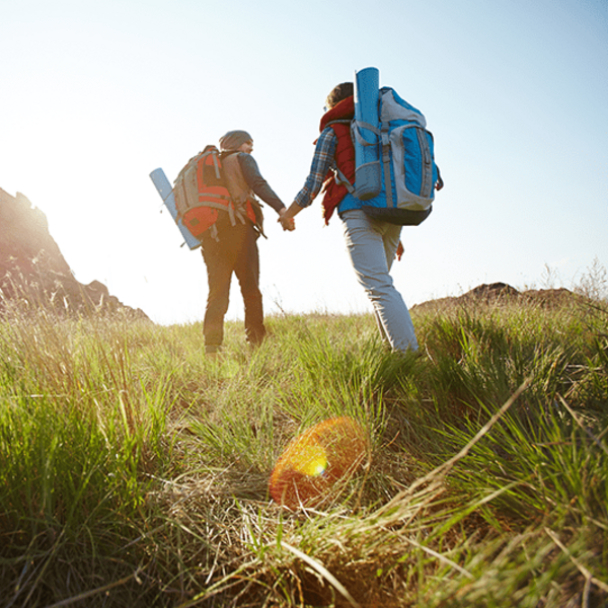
(392, 107)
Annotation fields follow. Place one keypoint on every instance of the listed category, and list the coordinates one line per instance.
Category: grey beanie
(233, 140)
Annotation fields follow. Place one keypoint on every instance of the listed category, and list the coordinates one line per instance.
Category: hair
(338, 93)
(233, 139)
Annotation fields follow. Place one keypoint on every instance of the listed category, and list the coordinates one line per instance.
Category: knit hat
(233, 140)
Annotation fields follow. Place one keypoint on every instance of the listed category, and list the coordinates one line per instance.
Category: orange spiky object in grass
(315, 460)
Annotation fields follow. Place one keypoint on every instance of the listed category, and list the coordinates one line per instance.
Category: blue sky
(96, 94)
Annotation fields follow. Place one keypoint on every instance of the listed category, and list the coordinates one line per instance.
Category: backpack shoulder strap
(339, 121)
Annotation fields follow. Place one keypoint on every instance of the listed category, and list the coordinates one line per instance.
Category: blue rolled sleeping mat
(365, 134)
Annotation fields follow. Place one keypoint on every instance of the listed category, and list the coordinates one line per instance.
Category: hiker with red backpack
(372, 223)
(231, 246)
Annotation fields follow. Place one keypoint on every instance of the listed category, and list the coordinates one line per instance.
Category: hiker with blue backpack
(374, 160)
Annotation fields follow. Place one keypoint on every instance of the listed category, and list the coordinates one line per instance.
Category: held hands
(287, 223)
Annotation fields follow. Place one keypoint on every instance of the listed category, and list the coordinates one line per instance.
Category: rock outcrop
(34, 273)
(500, 293)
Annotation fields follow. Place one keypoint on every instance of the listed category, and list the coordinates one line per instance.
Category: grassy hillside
(134, 470)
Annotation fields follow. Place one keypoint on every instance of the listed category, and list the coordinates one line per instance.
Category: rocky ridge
(34, 273)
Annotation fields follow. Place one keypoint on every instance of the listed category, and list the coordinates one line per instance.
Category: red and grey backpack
(201, 193)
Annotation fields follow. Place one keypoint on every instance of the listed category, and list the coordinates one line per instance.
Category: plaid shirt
(322, 161)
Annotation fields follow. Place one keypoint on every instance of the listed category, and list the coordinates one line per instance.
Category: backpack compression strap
(386, 163)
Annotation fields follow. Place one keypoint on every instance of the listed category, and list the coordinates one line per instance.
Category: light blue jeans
(372, 245)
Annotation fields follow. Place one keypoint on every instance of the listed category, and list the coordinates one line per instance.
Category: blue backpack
(403, 162)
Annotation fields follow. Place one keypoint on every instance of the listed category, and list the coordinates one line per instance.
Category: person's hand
(287, 223)
(400, 250)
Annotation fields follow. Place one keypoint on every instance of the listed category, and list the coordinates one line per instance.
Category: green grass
(134, 471)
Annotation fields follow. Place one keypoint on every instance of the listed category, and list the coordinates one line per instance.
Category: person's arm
(322, 162)
(258, 184)
(291, 212)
